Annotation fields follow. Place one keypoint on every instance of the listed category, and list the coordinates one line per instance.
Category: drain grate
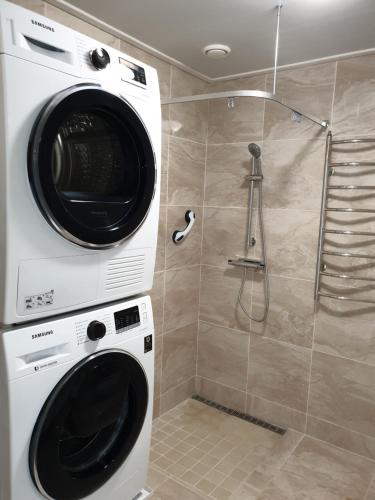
(242, 416)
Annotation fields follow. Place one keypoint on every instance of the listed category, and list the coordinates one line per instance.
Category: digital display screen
(127, 319)
(138, 71)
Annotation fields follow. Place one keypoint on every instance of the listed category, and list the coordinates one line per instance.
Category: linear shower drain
(242, 416)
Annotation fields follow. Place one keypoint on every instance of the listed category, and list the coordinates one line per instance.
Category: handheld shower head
(254, 150)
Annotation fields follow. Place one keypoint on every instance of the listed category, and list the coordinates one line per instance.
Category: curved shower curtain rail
(260, 94)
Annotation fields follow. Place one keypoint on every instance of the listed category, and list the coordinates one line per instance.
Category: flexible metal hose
(266, 284)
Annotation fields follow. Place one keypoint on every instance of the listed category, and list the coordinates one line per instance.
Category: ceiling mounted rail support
(259, 94)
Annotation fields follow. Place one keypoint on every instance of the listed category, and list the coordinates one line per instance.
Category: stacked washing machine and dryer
(80, 132)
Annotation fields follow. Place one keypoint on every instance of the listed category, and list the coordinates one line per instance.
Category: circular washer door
(92, 166)
(88, 425)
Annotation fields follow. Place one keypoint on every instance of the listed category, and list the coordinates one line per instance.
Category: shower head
(254, 150)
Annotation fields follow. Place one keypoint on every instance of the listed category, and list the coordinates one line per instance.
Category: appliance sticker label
(39, 300)
(148, 343)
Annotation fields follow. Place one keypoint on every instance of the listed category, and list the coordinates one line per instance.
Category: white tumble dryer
(76, 405)
(80, 133)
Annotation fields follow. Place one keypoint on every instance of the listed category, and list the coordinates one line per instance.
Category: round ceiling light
(216, 50)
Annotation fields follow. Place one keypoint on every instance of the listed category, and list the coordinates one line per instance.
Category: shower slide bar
(321, 267)
(231, 95)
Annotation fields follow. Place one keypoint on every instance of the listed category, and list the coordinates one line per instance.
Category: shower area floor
(200, 453)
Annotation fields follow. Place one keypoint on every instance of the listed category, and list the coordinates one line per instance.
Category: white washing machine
(76, 405)
(80, 133)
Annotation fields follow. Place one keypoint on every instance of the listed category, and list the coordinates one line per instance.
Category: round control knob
(96, 330)
(100, 58)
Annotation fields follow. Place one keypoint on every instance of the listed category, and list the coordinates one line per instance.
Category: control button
(96, 330)
(144, 316)
(100, 58)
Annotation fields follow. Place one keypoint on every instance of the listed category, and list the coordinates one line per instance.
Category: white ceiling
(310, 29)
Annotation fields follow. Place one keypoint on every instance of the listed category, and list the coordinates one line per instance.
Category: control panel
(132, 71)
(127, 319)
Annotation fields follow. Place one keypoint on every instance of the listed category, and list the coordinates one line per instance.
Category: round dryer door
(92, 166)
(88, 425)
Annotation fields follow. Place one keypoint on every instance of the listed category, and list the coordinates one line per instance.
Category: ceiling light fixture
(216, 50)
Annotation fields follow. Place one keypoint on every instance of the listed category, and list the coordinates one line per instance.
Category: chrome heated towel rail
(321, 266)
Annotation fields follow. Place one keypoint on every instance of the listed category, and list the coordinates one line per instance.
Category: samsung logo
(42, 334)
(41, 25)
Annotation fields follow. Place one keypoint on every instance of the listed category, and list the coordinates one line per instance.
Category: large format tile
(279, 372)
(293, 173)
(181, 297)
(226, 169)
(343, 392)
(345, 329)
(354, 105)
(291, 310)
(309, 89)
(292, 237)
(179, 356)
(218, 297)
(243, 121)
(77, 24)
(317, 471)
(186, 172)
(226, 396)
(224, 235)
(177, 395)
(275, 413)
(223, 355)
(34, 5)
(341, 437)
(188, 252)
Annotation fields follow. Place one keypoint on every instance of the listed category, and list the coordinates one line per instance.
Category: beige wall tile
(177, 395)
(291, 312)
(317, 470)
(223, 355)
(157, 300)
(163, 188)
(293, 173)
(87, 29)
(292, 237)
(181, 297)
(245, 120)
(354, 106)
(343, 438)
(275, 413)
(187, 253)
(224, 235)
(162, 67)
(309, 89)
(226, 396)
(156, 409)
(189, 121)
(34, 5)
(227, 166)
(345, 329)
(186, 172)
(185, 84)
(160, 252)
(279, 372)
(343, 392)
(218, 298)
(179, 356)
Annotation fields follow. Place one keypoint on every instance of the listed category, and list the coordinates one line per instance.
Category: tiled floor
(201, 453)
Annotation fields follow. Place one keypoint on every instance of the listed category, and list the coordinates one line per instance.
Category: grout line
(339, 448)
